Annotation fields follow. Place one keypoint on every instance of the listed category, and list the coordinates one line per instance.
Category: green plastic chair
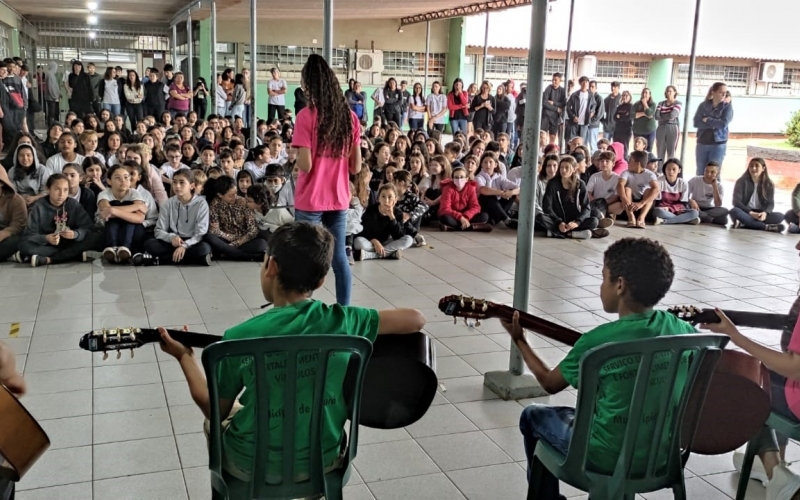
(781, 424)
(661, 471)
(223, 485)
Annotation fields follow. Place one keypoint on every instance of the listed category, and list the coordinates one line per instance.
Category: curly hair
(644, 264)
(334, 118)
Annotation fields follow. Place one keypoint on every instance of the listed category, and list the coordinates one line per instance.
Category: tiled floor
(127, 429)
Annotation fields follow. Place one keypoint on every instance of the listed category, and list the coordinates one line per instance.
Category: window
(226, 56)
(290, 59)
(790, 84)
(410, 66)
(632, 75)
(736, 78)
(502, 68)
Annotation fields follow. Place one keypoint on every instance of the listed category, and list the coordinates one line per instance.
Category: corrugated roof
(765, 30)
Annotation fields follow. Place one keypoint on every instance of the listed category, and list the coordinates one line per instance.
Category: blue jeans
(592, 145)
(335, 222)
(416, 123)
(673, 218)
(458, 126)
(749, 222)
(115, 109)
(553, 425)
(237, 110)
(705, 153)
(403, 119)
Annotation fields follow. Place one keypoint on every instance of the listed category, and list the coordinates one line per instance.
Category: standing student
(581, 108)
(180, 96)
(482, 107)
(13, 217)
(672, 204)
(644, 122)
(182, 224)
(458, 105)
(668, 114)
(501, 112)
(28, 176)
(623, 124)
(239, 97)
(58, 229)
(277, 95)
(637, 189)
(711, 120)
(754, 200)
(134, 97)
(83, 195)
(436, 108)
(357, 100)
(109, 91)
(602, 188)
(384, 235)
(122, 210)
(554, 100)
(610, 104)
(705, 196)
(596, 119)
(459, 209)
(565, 207)
(233, 230)
(417, 108)
(68, 147)
(392, 103)
(496, 192)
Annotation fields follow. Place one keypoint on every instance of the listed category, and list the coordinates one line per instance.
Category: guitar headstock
(460, 306)
(114, 339)
(694, 315)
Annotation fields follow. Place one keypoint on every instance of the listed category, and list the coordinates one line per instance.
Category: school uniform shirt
(496, 181)
(416, 101)
(99, 156)
(601, 188)
(257, 172)
(151, 217)
(189, 221)
(55, 164)
(639, 183)
(702, 193)
(108, 195)
(378, 94)
(168, 170)
(436, 104)
(275, 85)
(673, 197)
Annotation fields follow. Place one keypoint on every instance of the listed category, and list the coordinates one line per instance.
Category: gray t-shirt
(702, 193)
(639, 183)
(754, 202)
(601, 188)
(277, 100)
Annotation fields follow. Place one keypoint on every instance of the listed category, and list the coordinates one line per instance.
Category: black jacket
(559, 98)
(88, 201)
(392, 100)
(154, 93)
(380, 227)
(501, 111)
(558, 205)
(599, 111)
(743, 191)
(574, 108)
(82, 90)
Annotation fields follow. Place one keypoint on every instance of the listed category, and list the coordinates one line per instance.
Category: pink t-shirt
(327, 186)
(179, 104)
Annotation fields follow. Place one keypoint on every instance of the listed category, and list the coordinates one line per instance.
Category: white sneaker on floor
(365, 255)
(584, 234)
(784, 484)
(419, 241)
(17, 257)
(658, 221)
(757, 472)
(695, 221)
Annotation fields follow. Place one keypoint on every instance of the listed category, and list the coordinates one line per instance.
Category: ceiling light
(92, 5)
(91, 19)
(92, 35)
(400, 29)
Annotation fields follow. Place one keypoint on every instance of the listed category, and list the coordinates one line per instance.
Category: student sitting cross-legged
(232, 228)
(181, 226)
(13, 217)
(565, 206)
(637, 273)
(672, 205)
(297, 263)
(754, 200)
(705, 196)
(122, 210)
(602, 188)
(459, 209)
(637, 189)
(384, 235)
(59, 229)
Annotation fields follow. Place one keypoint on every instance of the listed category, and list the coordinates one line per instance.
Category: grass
(775, 143)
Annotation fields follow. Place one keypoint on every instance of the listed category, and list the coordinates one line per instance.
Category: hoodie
(557, 204)
(13, 211)
(457, 203)
(620, 165)
(42, 220)
(53, 92)
(189, 222)
(29, 183)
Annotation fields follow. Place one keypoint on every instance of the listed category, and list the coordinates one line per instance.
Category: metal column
(485, 48)
(190, 56)
(327, 31)
(175, 46)
(567, 64)
(213, 80)
(513, 384)
(690, 82)
(427, 54)
(253, 72)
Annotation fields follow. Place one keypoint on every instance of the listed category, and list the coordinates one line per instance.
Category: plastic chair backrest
(703, 352)
(358, 349)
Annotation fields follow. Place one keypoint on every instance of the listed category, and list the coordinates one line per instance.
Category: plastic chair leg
(679, 489)
(744, 477)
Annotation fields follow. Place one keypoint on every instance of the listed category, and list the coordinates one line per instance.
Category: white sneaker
(419, 241)
(365, 255)
(757, 472)
(658, 221)
(583, 234)
(695, 221)
(784, 484)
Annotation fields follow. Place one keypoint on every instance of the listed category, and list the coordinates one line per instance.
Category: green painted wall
(660, 76)
(457, 50)
(14, 42)
(204, 52)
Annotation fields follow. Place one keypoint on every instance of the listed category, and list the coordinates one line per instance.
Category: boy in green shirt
(298, 260)
(637, 273)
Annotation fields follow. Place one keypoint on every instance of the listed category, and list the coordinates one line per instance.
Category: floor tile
(137, 397)
(460, 390)
(186, 419)
(491, 482)
(491, 414)
(509, 440)
(131, 425)
(129, 458)
(124, 375)
(57, 467)
(59, 405)
(55, 361)
(198, 483)
(167, 485)
(52, 382)
(69, 491)
(192, 449)
(431, 487)
(68, 432)
(383, 461)
(442, 419)
(463, 451)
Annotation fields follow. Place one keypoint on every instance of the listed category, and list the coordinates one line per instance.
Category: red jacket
(457, 203)
(453, 107)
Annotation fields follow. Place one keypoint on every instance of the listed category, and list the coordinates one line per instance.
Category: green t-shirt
(309, 317)
(617, 380)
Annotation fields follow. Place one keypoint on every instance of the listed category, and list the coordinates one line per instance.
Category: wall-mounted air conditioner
(770, 72)
(367, 61)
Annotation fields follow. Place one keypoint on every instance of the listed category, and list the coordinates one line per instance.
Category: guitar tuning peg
(105, 355)
(133, 337)
(485, 307)
(462, 301)
(131, 353)
(473, 303)
(119, 354)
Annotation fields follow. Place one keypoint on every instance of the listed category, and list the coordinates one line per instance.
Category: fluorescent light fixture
(91, 5)
(291, 47)
(91, 19)
(92, 35)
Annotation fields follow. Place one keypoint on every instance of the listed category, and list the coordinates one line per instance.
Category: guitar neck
(540, 326)
(190, 339)
(768, 321)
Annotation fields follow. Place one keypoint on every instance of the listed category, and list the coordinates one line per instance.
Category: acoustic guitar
(399, 383)
(725, 423)
(22, 439)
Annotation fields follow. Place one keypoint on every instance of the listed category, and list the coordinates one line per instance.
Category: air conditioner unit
(770, 72)
(367, 62)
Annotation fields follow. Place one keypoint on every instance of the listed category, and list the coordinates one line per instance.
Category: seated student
(142, 184)
(173, 164)
(565, 206)
(399, 159)
(672, 203)
(142, 154)
(279, 189)
(182, 225)
(410, 205)
(653, 164)
(355, 212)
(226, 163)
(94, 175)
(459, 209)
(258, 166)
(637, 273)
(50, 145)
(258, 201)
(602, 187)
(68, 153)
(705, 196)
(276, 152)
(452, 151)
(603, 144)
(13, 217)
(273, 203)
(244, 180)
(28, 175)
(384, 235)
(754, 200)
(214, 173)
(298, 262)
(206, 160)
(495, 192)
(620, 163)
(89, 142)
(431, 189)
(637, 189)
(85, 196)
(580, 163)
(59, 229)
(122, 210)
(232, 227)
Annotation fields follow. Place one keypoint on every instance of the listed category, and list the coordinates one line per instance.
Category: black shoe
(144, 259)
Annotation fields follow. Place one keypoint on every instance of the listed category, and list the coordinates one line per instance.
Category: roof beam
(466, 10)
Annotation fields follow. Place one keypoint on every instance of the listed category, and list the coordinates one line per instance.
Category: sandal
(631, 225)
(640, 225)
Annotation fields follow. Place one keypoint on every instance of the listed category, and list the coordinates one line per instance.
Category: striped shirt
(668, 113)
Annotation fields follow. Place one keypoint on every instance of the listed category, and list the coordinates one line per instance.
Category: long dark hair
(220, 185)
(334, 118)
(137, 83)
(765, 184)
